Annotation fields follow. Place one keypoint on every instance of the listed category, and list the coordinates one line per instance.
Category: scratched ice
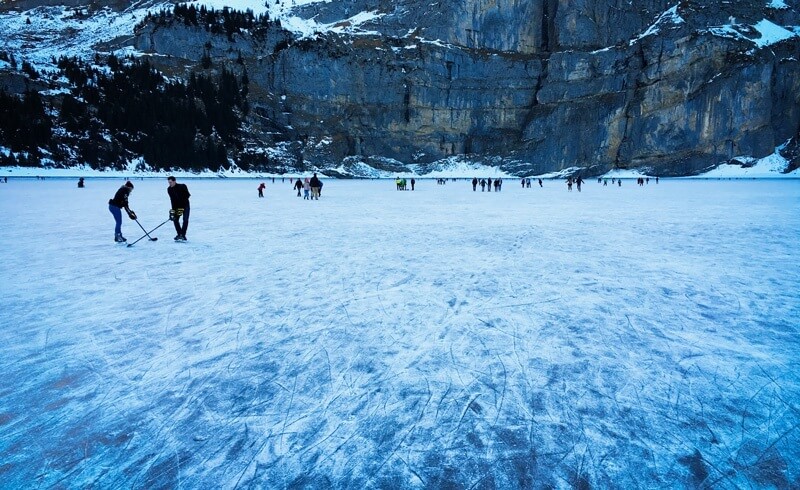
(620, 337)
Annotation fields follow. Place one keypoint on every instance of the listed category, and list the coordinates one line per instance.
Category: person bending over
(116, 204)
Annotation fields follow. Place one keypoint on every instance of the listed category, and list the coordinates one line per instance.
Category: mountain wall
(530, 86)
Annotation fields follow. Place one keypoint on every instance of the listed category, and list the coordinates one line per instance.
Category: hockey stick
(152, 239)
(146, 233)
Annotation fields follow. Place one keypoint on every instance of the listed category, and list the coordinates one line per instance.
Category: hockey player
(179, 198)
(116, 205)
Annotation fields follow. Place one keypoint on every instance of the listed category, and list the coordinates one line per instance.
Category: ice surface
(620, 337)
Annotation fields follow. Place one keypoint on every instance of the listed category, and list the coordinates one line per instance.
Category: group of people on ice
(309, 185)
(402, 185)
(309, 188)
(179, 200)
(578, 181)
(487, 184)
(526, 182)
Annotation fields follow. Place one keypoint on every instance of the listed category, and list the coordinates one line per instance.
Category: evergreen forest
(121, 109)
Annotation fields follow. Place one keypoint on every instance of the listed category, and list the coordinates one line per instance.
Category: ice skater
(116, 205)
(179, 198)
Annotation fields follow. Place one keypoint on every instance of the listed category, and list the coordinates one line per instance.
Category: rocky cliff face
(532, 86)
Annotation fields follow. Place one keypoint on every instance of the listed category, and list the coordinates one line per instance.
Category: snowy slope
(769, 167)
(44, 33)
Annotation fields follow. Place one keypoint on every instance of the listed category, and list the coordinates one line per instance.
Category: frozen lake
(621, 337)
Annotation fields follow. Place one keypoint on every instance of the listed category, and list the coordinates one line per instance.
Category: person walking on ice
(179, 199)
(116, 205)
(261, 188)
(315, 187)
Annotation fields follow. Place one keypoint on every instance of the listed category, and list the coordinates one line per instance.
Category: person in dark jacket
(315, 187)
(298, 185)
(261, 188)
(179, 198)
(116, 205)
(80, 183)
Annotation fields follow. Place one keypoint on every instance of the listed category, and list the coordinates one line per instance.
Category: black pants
(181, 230)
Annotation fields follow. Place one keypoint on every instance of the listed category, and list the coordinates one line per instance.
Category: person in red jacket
(261, 188)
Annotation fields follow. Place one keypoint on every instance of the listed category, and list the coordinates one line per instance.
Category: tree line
(226, 21)
(123, 110)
